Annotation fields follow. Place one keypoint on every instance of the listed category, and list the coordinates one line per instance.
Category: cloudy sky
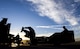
(45, 16)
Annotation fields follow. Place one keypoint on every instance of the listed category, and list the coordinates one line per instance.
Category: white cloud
(76, 0)
(44, 26)
(54, 11)
(72, 20)
(45, 35)
(53, 27)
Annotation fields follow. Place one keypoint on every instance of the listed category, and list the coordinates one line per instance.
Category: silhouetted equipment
(11, 39)
(17, 40)
(4, 32)
(65, 36)
(58, 38)
(29, 33)
(42, 40)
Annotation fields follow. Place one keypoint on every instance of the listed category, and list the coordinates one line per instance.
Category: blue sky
(45, 16)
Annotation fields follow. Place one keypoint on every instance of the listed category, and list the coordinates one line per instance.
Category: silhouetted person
(65, 30)
(29, 33)
(32, 35)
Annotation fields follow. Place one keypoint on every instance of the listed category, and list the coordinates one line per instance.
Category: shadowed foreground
(54, 47)
(44, 47)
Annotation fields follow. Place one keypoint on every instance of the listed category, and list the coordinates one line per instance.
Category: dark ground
(54, 47)
(75, 45)
(44, 47)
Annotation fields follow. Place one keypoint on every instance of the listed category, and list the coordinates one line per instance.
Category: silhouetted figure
(30, 34)
(65, 29)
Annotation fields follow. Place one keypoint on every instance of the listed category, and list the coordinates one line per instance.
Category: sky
(45, 16)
